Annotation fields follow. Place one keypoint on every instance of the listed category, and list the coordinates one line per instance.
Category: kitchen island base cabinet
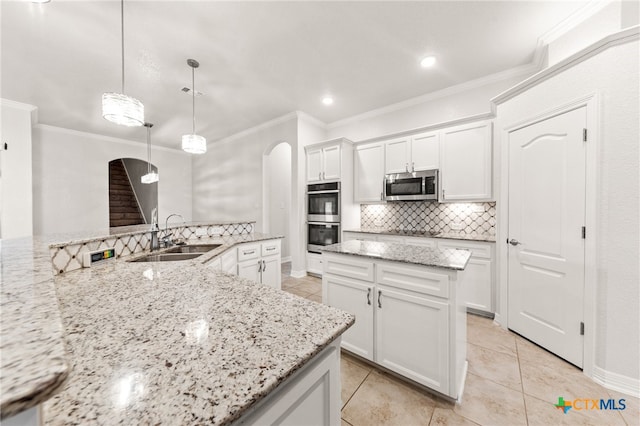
(410, 319)
(310, 397)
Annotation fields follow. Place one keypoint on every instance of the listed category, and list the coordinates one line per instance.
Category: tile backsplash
(465, 218)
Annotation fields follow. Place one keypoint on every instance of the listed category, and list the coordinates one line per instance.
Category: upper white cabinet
(413, 153)
(368, 172)
(466, 162)
(323, 163)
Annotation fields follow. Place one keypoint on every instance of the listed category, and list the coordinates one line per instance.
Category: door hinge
(582, 328)
(584, 232)
(584, 135)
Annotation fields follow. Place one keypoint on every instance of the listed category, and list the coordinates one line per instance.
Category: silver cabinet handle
(319, 175)
(514, 242)
(380, 299)
(413, 167)
(406, 167)
(270, 248)
(259, 266)
(249, 252)
(264, 266)
(369, 296)
(324, 176)
(443, 194)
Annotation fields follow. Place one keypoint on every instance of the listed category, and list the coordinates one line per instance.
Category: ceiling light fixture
(193, 144)
(118, 107)
(151, 176)
(427, 62)
(327, 100)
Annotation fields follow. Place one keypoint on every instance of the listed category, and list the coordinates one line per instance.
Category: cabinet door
(368, 173)
(425, 152)
(477, 286)
(215, 264)
(331, 163)
(466, 163)
(314, 165)
(249, 270)
(230, 262)
(271, 268)
(397, 154)
(412, 337)
(355, 297)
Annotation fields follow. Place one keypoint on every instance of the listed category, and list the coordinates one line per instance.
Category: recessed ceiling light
(327, 100)
(427, 62)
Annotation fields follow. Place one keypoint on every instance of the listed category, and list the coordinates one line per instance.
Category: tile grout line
(354, 392)
(524, 400)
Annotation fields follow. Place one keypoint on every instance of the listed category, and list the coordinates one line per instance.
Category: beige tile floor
(511, 381)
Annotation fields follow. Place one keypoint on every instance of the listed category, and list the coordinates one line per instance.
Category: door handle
(369, 296)
(514, 242)
(380, 299)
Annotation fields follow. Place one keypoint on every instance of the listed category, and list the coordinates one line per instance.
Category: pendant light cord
(193, 92)
(122, 39)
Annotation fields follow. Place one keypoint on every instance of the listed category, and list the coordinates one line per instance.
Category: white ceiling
(258, 60)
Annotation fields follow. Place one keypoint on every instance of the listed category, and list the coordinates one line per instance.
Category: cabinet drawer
(482, 250)
(271, 247)
(347, 266)
(248, 251)
(413, 278)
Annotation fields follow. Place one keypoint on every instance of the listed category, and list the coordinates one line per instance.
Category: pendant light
(151, 176)
(193, 144)
(118, 107)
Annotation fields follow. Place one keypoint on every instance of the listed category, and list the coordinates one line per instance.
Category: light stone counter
(426, 234)
(425, 256)
(172, 342)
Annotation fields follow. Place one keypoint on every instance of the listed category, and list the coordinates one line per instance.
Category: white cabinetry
(412, 153)
(323, 163)
(478, 274)
(466, 162)
(260, 262)
(409, 318)
(368, 172)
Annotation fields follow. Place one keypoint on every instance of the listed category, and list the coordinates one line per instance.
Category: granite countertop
(156, 342)
(439, 258)
(426, 234)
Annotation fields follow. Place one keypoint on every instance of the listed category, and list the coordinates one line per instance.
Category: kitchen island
(409, 304)
(166, 342)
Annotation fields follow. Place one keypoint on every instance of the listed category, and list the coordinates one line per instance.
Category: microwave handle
(327, 224)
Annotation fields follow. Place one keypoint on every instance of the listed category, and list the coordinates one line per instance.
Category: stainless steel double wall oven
(323, 215)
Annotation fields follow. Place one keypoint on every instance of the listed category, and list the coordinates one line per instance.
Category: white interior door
(546, 216)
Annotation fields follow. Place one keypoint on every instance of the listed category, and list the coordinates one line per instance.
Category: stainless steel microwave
(412, 186)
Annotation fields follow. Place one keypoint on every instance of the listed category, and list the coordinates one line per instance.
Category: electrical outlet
(456, 226)
(478, 208)
(377, 223)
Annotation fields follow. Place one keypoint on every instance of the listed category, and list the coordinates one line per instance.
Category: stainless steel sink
(193, 248)
(167, 257)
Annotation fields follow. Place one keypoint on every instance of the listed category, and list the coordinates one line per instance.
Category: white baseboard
(497, 319)
(285, 259)
(616, 382)
(298, 274)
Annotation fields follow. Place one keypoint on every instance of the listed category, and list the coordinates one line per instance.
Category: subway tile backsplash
(464, 218)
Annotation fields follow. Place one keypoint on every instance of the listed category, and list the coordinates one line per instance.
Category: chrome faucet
(155, 244)
(167, 236)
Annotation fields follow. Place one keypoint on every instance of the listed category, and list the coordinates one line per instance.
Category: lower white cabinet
(356, 297)
(412, 332)
(260, 262)
(409, 318)
(229, 261)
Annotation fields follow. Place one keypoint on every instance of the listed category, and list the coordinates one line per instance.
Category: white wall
(227, 180)
(277, 197)
(446, 105)
(71, 179)
(16, 198)
(613, 74)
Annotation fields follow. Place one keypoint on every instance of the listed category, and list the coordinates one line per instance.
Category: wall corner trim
(17, 105)
(616, 382)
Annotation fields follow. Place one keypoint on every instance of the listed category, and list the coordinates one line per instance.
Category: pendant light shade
(151, 176)
(118, 107)
(122, 109)
(193, 143)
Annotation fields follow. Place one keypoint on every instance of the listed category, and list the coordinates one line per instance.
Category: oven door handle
(330, 191)
(329, 224)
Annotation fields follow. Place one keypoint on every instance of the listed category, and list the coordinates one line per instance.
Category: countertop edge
(451, 268)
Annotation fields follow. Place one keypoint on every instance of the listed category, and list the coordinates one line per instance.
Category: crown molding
(18, 105)
(259, 127)
(621, 37)
(311, 119)
(575, 19)
(518, 71)
(66, 131)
